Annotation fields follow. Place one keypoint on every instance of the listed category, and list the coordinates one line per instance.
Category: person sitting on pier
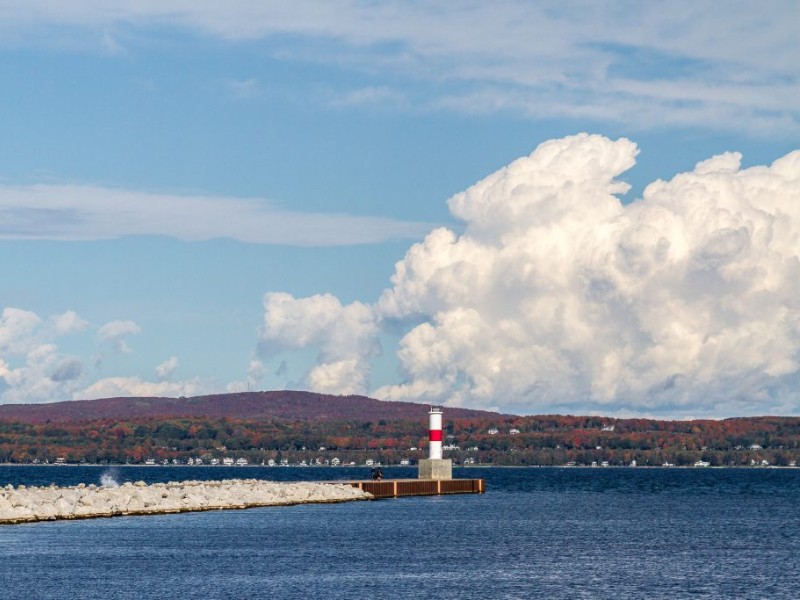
(379, 474)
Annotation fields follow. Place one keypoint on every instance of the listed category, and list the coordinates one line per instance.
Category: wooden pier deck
(396, 488)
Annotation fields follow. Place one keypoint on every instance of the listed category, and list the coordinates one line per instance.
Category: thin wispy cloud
(243, 88)
(74, 212)
(368, 96)
(691, 64)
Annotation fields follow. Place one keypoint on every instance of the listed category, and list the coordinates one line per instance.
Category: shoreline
(475, 466)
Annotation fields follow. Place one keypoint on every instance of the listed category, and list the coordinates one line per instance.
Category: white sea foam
(109, 478)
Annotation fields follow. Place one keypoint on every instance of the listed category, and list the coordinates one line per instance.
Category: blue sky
(163, 166)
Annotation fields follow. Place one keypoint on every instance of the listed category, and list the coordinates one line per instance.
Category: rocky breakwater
(27, 504)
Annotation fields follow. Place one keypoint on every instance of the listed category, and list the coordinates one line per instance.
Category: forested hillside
(283, 404)
(297, 427)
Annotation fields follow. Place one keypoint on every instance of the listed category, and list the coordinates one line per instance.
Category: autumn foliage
(297, 426)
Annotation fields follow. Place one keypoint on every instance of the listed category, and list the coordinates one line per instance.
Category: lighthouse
(435, 434)
(435, 467)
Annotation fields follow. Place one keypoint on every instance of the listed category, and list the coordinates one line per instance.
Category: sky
(553, 207)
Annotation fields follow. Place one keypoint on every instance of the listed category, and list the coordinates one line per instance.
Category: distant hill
(307, 428)
(251, 405)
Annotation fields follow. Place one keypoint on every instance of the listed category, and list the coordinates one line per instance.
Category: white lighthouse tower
(435, 467)
(435, 434)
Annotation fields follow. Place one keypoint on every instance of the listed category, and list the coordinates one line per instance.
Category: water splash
(109, 478)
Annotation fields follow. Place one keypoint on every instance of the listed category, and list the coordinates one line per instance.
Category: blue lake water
(536, 533)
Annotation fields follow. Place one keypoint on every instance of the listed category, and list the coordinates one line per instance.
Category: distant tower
(435, 467)
(435, 434)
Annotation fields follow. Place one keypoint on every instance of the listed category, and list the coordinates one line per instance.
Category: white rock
(44, 503)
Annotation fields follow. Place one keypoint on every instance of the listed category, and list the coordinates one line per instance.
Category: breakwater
(396, 488)
(24, 504)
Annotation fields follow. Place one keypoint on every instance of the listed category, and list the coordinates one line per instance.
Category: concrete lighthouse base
(435, 468)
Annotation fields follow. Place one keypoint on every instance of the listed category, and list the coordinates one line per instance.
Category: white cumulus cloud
(559, 297)
(167, 368)
(347, 338)
(32, 369)
(17, 331)
(69, 322)
(114, 333)
(114, 387)
(34, 380)
(256, 370)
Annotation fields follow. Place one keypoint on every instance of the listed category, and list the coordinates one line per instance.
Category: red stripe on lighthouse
(436, 435)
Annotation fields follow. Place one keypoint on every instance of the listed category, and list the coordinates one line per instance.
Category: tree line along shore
(550, 440)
